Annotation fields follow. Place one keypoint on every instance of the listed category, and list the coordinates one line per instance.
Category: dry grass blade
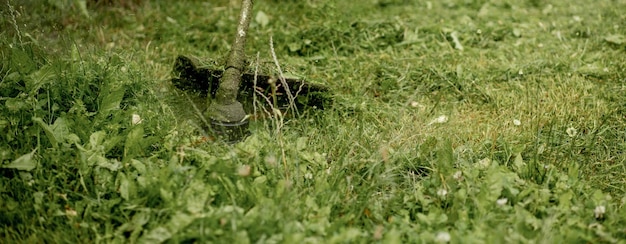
(283, 82)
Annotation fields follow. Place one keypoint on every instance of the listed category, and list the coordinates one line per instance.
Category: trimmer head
(205, 81)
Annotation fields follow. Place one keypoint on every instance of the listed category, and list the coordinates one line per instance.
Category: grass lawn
(453, 121)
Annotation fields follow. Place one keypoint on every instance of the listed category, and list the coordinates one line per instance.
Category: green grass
(530, 151)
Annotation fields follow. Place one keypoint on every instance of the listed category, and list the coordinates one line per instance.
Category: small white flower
(458, 175)
(414, 104)
(443, 237)
(502, 201)
(308, 176)
(171, 20)
(136, 119)
(520, 72)
(484, 163)
(571, 131)
(517, 122)
(70, 212)
(271, 160)
(439, 120)
(244, 170)
(599, 212)
(442, 193)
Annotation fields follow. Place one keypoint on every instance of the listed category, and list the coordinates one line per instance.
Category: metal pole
(229, 84)
(226, 113)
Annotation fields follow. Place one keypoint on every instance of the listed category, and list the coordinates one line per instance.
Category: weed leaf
(518, 163)
(196, 197)
(15, 104)
(82, 5)
(24, 162)
(110, 100)
(60, 129)
(179, 222)
(22, 62)
(40, 77)
(156, 235)
(262, 19)
(133, 143)
(616, 39)
(139, 166)
(125, 186)
(48, 130)
(96, 138)
(112, 165)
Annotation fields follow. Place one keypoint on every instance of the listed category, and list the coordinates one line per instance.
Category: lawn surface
(451, 121)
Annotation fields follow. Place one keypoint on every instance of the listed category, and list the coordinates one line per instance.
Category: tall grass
(515, 137)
